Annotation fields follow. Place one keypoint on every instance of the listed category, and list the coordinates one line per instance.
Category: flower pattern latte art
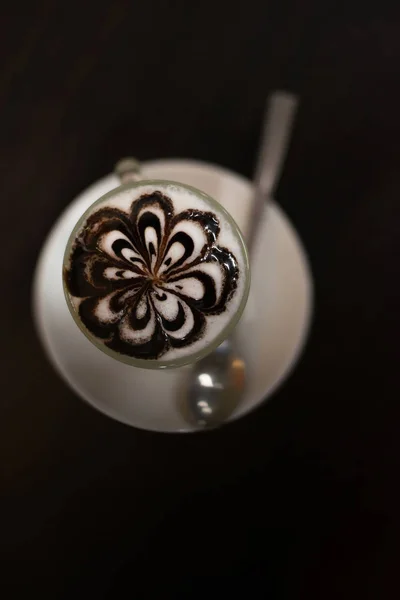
(147, 280)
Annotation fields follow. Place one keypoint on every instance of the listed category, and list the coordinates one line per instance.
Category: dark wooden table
(300, 498)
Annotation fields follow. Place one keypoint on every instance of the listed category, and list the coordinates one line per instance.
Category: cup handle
(127, 170)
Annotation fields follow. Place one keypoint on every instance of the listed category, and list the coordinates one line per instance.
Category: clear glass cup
(132, 238)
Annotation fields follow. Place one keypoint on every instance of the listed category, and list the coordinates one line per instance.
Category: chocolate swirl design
(145, 281)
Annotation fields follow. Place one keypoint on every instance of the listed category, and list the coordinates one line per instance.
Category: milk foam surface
(156, 271)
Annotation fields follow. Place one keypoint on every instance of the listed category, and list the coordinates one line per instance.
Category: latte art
(147, 276)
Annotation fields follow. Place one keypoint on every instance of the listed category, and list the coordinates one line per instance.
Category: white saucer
(272, 331)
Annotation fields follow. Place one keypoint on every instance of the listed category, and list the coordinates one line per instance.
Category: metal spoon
(216, 383)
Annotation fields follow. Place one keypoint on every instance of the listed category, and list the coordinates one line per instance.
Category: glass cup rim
(223, 334)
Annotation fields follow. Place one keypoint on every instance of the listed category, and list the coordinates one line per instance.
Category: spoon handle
(274, 143)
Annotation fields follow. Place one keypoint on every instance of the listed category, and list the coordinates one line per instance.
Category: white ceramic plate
(272, 330)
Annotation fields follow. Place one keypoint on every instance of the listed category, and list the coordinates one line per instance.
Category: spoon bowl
(215, 386)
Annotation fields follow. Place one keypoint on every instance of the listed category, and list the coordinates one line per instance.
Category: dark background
(298, 499)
